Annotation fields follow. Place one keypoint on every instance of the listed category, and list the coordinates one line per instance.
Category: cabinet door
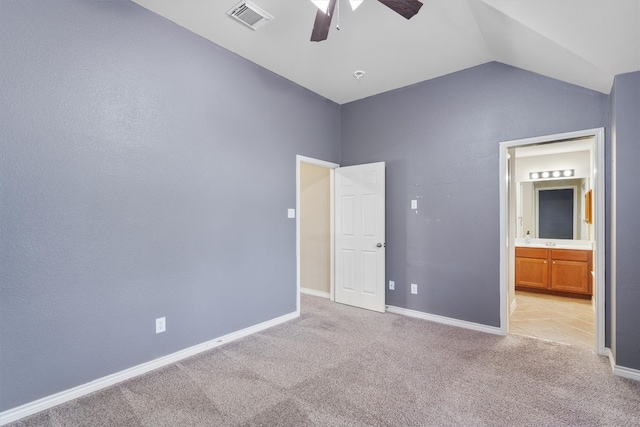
(570, 276)
(532, 272)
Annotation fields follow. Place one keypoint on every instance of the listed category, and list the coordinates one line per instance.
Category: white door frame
(331, 166)
(599, 224)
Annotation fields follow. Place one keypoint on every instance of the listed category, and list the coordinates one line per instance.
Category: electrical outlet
(414, 288)
(392, 285)
(414, 204)
(161, 324)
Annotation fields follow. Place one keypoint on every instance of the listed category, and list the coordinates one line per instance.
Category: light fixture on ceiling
(358, 74)
(562, 173)
(323, 5)
(326, 8)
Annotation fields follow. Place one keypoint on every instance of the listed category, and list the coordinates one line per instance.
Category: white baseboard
(315, 293)
(36, 406)
(621, 371)
(609, 354)
(445, 320)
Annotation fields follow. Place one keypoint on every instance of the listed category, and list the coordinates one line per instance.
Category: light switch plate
(414, 288)
(392, 285)
(291, 213)
(414, 204)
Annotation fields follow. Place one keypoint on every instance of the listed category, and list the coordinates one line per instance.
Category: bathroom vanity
(554, 270)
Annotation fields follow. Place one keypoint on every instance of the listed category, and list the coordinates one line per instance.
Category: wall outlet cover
(161, 324)
(414, 288)
(392, 285)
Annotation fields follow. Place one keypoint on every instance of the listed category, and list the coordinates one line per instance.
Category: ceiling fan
(406, 8)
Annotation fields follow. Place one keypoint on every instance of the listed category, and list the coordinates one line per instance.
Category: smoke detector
(249, 14)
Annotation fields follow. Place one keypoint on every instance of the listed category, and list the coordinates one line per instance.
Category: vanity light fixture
(563, 173)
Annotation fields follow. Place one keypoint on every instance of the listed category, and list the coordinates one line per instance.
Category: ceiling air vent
(249, 14)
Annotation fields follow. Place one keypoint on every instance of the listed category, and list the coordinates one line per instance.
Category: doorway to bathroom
(552, 229)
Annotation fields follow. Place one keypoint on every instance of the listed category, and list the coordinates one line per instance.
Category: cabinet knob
(545, 262)
(554, 262)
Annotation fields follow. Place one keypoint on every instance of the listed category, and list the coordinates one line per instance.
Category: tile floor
(561, 319)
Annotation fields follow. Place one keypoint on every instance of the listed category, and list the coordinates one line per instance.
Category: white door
(359, 236)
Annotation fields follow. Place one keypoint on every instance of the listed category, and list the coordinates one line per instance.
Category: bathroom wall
(578, 160)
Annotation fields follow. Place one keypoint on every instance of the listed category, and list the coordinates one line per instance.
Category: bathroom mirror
(552, 209)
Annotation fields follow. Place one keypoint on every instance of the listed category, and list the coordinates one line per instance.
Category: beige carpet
(342, 366)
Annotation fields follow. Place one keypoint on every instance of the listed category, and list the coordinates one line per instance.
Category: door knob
(379, 245)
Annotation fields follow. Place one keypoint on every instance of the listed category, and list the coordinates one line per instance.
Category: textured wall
(440, 140)
(626, 125)
(144, 172)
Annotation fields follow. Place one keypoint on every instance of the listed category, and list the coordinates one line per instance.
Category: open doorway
(554, 298)
(550, 282)
(314, 227)
(353, 237)
(315, 230)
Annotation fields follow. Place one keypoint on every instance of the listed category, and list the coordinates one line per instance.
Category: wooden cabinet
(554, 270)
(570, 271)
(532, 267)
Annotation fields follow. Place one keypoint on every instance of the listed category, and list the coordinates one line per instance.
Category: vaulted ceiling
(583, 42)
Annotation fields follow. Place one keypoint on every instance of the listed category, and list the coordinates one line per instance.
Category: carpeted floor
(342, 366)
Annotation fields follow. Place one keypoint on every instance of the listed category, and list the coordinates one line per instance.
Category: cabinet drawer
(531, 252)
(570, 255)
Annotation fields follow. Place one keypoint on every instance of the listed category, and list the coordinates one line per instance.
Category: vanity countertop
(584, 245)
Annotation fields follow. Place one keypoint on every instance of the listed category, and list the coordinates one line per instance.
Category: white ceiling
(584, 42)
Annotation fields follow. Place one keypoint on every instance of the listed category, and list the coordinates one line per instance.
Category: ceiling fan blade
(406, 8)
(322, 23)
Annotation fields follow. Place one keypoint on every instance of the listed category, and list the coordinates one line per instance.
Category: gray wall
(440, 140)
(144, 172)
(625, 121)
